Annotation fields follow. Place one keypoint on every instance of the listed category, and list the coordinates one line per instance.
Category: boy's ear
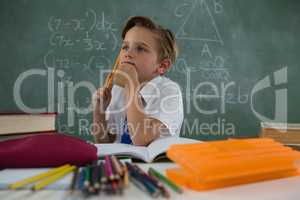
(164, 65)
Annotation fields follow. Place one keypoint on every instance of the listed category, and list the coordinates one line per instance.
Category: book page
(161, 145)
(122, 149)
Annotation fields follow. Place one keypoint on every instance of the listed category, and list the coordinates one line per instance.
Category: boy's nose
(129, 53)
(128, 56)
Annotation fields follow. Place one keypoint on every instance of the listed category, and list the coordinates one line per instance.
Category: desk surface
(280, 189)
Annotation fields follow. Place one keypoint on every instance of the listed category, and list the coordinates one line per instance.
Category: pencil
(164, 179)
(38, 177)
(74, 179)
(114, 168)
(154, 181)
(100, 176)
(126, 176)
(162, 188)
(121, 165)
(119, 173)
(89, 181)
(80, 184)
(108, 168)
(109, 79)
(120, 184)
(150, 187)
(114, 186)
(87, 178)
(117, 165)
(103, 178)
(53, 178)
(93, 179)
(97, 177)
(85, 181)
(138, 184)
(124, 173)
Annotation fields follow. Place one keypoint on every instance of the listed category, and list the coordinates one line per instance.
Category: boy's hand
(126, 74)
(101, 99)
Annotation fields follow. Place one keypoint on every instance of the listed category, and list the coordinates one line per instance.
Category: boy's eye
(141, 49)
(124, 47)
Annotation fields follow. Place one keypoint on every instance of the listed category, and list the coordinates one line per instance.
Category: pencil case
(46, 150)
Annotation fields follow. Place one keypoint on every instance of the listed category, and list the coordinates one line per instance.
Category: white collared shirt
(162, 101)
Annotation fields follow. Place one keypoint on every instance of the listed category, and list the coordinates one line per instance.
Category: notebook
(153, 152)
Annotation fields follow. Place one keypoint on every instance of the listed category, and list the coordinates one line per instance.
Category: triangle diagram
(199, 24)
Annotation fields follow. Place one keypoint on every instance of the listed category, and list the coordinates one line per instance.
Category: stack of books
(215, 164)
(16, 125)
(286, 133)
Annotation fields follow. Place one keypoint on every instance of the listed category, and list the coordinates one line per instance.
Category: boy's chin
(119, 83)
(119, 80)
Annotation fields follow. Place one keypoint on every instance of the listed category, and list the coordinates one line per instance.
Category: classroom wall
(238, 62)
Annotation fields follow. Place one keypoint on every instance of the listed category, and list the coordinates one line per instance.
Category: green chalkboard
(238, 65)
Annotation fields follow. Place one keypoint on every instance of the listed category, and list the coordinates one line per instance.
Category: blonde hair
(166, 39)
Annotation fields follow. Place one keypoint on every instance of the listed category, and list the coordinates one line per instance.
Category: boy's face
(140, 50)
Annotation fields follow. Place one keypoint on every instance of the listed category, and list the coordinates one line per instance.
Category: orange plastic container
(236, 161)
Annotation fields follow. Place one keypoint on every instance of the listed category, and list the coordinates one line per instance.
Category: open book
(150, 153)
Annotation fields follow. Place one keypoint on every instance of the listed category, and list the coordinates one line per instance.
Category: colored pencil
(80, 183)
(154, 181)
(150, 187)
(109, 79)
(53, 178)
(38, 177)
(108, 168)
(116, 168)
(164, 179)
(74, 179)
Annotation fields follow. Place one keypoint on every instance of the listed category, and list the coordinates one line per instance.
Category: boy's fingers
(99, 93)
(103, 93)
(108, 81)
(108, 93)
(110, 87)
